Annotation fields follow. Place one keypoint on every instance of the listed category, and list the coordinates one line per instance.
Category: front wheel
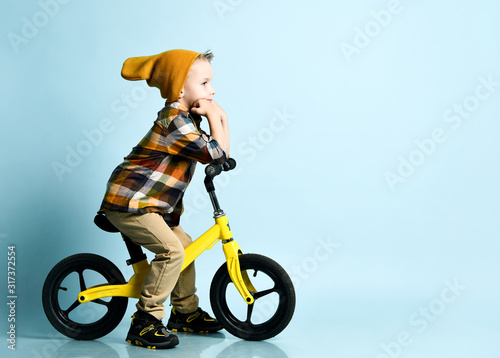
(274, 301)
(69, 277)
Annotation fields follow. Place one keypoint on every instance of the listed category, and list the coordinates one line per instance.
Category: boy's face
(198, 83)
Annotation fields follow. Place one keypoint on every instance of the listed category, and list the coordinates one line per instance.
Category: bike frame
(219, 232)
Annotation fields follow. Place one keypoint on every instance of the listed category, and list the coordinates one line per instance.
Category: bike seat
(103, 223)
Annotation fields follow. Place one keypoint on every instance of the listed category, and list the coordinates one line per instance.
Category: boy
(144, 194)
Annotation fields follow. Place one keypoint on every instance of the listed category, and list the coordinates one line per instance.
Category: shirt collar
(177, 105)
(180, 107)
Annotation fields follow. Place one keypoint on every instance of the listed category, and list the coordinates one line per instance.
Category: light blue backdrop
(367, 141)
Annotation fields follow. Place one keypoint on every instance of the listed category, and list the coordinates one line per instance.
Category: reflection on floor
(220, 345)
(347, 329)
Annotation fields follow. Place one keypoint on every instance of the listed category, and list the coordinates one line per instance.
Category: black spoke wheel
(274, 299)
(69, 277)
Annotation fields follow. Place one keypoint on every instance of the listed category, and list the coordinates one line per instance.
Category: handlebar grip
(212, 170)
(230, 164)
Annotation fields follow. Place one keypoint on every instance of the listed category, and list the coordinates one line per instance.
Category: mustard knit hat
(167, 71)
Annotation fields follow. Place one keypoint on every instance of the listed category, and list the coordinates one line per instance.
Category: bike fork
(232, 251)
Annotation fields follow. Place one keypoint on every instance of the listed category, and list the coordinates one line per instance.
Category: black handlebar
(214, 169)
(230, 164)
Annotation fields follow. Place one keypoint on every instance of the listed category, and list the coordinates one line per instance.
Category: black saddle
(103, 223)
(135, 251)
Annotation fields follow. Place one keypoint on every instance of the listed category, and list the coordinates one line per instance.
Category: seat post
(134, 250)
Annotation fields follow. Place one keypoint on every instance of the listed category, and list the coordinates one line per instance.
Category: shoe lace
(157, 326)
(200, 315)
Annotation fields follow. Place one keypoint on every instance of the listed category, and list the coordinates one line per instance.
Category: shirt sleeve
(184, 139)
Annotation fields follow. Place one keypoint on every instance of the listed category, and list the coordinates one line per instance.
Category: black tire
(66, 280)
(229, 307)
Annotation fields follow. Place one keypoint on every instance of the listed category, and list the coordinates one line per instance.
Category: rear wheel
(66, 280)
(274, 301)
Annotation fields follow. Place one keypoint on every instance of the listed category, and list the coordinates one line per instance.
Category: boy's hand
(207, 108)
(222, 113)
(204, 107)
(217, 120)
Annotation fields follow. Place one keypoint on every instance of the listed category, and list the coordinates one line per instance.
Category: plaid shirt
(154, 176)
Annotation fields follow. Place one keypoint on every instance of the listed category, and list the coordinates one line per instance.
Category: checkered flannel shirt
(155, 175)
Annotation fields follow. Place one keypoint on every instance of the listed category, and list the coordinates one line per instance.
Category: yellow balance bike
(85, 296)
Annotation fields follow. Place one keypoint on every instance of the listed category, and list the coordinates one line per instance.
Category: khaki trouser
(164, 278)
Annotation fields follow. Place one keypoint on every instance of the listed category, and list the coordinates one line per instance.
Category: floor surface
(355, 335)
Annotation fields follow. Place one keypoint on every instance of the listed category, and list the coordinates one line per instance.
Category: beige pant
(164, 278)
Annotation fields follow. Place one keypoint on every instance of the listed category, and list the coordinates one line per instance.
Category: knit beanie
(167, 71)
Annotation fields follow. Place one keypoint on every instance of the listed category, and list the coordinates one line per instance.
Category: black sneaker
(197, 321)
(147, 331)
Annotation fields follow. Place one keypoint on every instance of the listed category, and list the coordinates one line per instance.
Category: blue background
(367, 145)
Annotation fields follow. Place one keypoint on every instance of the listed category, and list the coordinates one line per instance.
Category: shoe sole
(137, 341)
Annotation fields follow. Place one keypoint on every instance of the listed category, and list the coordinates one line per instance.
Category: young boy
(144, 194)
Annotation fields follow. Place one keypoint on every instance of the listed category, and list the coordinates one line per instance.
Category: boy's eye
(204, 83)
